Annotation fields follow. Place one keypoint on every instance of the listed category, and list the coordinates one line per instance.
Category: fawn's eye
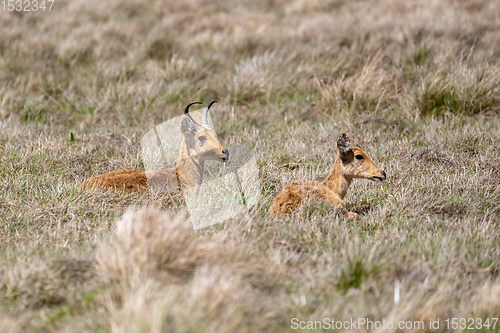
(359, 157)
(202, 138)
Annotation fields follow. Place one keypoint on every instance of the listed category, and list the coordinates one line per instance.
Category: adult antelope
(350, 162)
(199, 144)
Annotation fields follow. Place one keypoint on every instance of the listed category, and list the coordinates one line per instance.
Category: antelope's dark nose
(225, 152)
(384, 174)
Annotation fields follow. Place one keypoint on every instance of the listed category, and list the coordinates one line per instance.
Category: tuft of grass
(357, 265)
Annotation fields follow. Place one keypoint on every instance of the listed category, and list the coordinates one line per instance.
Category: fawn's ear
(187, 126)
(344, 143)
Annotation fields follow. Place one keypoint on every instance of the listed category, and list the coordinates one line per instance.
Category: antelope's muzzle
(226, 155)
(379, 179)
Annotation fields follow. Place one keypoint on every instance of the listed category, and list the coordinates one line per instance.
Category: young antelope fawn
(351, 162)
(199, 144)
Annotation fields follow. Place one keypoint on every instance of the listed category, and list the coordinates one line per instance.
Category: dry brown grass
(161, 277)
(415, 82)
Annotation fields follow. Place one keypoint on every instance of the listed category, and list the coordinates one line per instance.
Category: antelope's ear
(187, 126)
(344, 143)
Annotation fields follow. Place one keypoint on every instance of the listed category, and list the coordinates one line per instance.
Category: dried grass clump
(463, 89)
(254, 77)
(166, 278)
(214, 300)
(38, 284)
(360, 91)
(177, 67)
(151, 244)
(434, 153)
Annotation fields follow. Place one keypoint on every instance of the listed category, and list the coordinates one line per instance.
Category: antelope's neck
(336, 181)
(190, 169)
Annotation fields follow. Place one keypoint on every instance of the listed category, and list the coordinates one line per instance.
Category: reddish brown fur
(127, 180)
(133, 180)
(187, 174)
(334, 188)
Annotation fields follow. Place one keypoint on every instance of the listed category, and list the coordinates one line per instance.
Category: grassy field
(415, 82)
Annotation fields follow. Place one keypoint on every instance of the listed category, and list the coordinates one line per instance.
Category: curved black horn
(189, 105)
(212, 102)
(186, 112)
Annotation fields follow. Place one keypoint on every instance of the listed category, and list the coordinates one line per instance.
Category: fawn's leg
(325, 193)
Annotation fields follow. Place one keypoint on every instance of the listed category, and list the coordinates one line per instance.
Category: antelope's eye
(359, 157)
(202, 138)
